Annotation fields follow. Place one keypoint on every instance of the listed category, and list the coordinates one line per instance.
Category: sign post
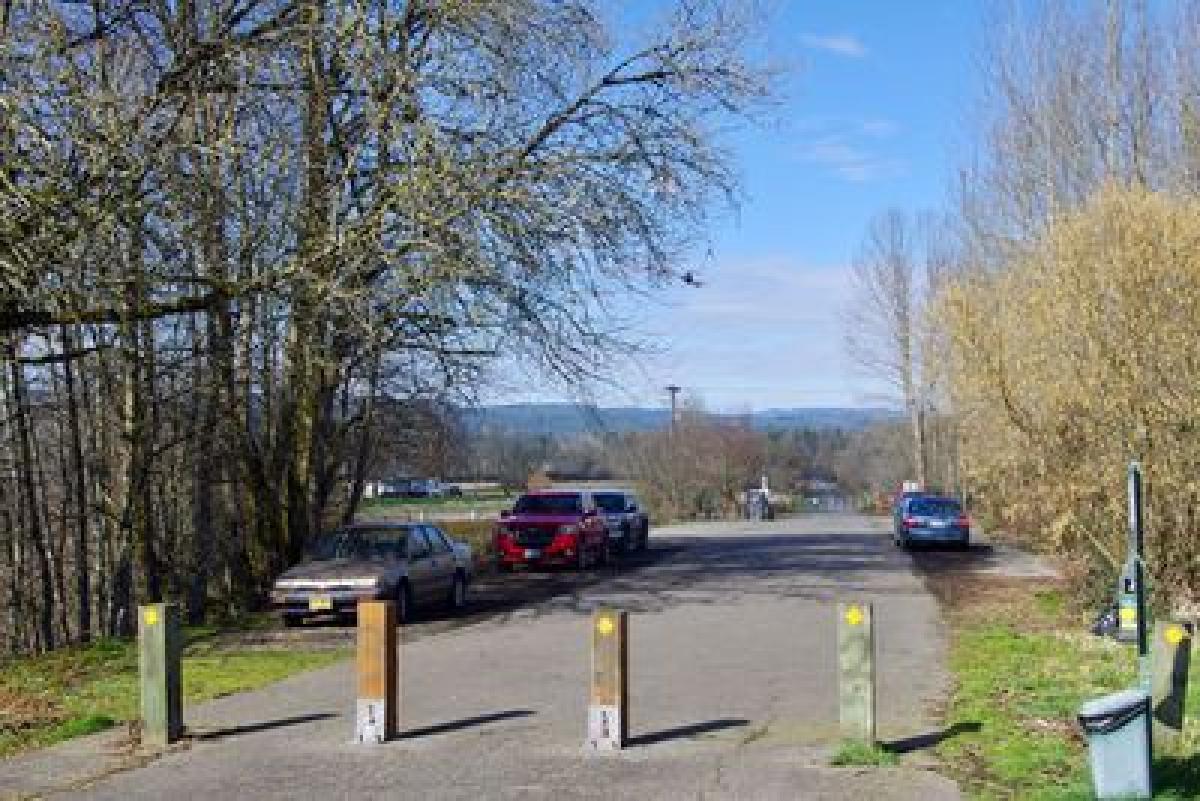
(1131, 599)
(856, 671)
(159, 648)
(608, 706)
(377, 712)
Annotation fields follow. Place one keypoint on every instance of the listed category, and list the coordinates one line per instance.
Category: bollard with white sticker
(377, 714)
(856, 671)
(608, 708)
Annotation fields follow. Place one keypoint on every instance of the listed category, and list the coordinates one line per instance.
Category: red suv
(552, 527)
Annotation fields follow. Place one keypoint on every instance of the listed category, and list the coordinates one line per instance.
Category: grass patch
(53, 697)
(859, 753)
(1023, 665)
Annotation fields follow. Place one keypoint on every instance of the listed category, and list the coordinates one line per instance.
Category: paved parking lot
(733, 687)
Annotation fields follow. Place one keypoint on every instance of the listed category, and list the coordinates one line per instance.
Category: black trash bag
(1107, 623)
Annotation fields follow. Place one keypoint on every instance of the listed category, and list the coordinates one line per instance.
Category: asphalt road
(732, 685)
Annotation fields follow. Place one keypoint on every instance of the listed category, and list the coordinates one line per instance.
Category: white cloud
(767, 330)
(849, 161)
(842, 45)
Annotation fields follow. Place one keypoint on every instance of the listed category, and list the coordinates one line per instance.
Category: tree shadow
(252, 728)
(931, 739)
(690, 730)
(465, 723)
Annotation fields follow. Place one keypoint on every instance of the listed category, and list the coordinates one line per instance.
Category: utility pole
(673, 448)
(674, 390)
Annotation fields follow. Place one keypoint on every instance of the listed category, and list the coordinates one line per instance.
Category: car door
(421, 577)
(443, 564)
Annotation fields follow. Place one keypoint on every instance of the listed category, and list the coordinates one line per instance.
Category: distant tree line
(699, 468)
(231, 233)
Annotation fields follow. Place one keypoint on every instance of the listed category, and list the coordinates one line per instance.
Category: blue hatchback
(931, 519)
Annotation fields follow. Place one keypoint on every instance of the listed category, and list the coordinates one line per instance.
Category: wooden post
(608, 706)
(377, 714)
(856, 671)
(159, 647)
(1172, 653)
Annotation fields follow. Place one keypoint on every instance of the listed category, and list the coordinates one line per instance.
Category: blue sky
(874, 115)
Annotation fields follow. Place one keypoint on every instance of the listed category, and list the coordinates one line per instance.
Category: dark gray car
(931, 519)
(628, 526)
(413, 564)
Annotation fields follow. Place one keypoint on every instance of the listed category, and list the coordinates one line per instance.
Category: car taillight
(910, 522)
(502, 536)
(964, 521)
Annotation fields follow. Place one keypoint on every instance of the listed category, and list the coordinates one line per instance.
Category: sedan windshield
(360, 544)
(548, 505)
(935, 507)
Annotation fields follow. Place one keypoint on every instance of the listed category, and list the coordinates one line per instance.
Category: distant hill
(570, 418)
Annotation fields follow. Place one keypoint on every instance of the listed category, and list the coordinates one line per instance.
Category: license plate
(532, 553)
(939, 524)
(320, 603)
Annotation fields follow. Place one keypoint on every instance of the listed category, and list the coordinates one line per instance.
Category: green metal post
(1133, 599)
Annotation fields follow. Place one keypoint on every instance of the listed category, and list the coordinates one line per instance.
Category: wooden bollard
(856, 671)
(377, 713)
(1171, 658)
(159, 649)
(608, 706)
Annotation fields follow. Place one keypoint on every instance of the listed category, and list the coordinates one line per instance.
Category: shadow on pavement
(691, 730)
(251, 728)
(465, 723)
(923, 741)
(706, 569)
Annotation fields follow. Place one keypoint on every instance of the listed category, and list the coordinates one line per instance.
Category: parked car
(628, 525)
(931, 519)
(413, 564)
(552, 527)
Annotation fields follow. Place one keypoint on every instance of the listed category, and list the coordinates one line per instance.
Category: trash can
(1117, 727)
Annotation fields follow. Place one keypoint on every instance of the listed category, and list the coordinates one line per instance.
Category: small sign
(854, 616)
(605, 626)
(150, 616)
(1128, 614)
(1175, 634)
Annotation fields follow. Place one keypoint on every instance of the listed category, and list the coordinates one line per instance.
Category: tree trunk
(33, 517)
(83, 587)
